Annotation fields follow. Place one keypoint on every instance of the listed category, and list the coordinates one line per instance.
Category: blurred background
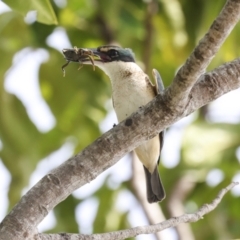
(45, 118)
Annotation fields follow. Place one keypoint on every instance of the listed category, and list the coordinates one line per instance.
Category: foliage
(162, 34)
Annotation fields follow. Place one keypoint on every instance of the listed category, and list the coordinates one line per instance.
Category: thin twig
(132, 232)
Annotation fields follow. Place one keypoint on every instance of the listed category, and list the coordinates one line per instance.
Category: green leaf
(45, 12)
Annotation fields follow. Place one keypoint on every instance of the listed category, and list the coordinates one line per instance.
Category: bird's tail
(155, 189)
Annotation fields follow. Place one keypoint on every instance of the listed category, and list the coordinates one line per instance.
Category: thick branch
(133, 232)
(202, 55)
(214, 84)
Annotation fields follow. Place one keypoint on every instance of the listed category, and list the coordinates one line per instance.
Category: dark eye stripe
(111, 53)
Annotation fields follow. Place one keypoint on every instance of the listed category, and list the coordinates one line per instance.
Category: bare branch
(133, 232)
(202, 55)
(214, 84)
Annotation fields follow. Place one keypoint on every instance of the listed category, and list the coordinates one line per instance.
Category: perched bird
(131, 89)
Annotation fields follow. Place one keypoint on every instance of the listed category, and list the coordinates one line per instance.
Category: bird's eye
(113, 53)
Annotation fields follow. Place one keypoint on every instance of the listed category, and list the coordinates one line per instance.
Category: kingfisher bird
(131, 89)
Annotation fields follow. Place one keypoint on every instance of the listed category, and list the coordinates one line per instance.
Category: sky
(28, 92)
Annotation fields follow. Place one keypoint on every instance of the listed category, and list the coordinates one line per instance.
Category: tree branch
(202, 55)
(133, 232)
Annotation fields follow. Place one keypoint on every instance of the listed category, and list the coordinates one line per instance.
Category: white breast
(131, 88)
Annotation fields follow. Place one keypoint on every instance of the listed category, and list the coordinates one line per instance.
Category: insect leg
(65, 65)
(81, 65)
(92, 61)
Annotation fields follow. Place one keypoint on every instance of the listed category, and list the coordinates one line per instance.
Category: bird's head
(109, 58)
